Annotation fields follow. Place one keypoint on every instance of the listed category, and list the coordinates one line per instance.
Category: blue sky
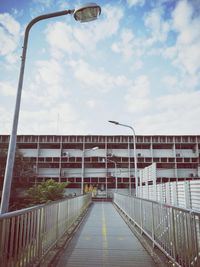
(138, 64)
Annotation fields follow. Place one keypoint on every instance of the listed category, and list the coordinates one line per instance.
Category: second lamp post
(135, 155)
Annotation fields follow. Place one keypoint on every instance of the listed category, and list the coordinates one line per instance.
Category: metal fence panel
(27, 235)
(195, 194)
(174, 230)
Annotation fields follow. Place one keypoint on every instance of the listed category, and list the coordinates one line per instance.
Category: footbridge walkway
(77, 232)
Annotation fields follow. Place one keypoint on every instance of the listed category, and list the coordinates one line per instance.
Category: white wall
(165, 173)
(94, 172)
(163, 153)
(54, 172)
(45, 152)
(186, 172)
(143, 152)
(29, 152)
(70, 172)
(185, 152)
(119, 152)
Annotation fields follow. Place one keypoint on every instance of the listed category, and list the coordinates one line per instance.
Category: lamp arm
(128, 126)
(135, 156)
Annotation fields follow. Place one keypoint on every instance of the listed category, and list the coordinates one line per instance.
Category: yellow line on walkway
(104, 228)
(104, 234)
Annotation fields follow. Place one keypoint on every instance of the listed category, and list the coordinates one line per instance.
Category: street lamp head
(90, 149)
(114, 122)
(87, 12)
(95, 148)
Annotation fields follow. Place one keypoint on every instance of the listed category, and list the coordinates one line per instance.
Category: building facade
(98, 160)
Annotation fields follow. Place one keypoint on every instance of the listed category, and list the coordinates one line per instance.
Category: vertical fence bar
(153, 226)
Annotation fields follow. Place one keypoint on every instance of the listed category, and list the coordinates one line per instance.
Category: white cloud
(182, 15)
(7, 89)
(177, 83)
(138, 64)
(108, 25)
(46, 3)
(60, 36)
(159, 28)
(171, 81)
(180, 110)
(59, 119)
(91, 103)
(129, 46)
(48, 85)
(185, 53)
(5, 120)
(49, 71)
(135, 2)
(9, 36)
(83, 38)
(180, 103)
(137, 97)
(94, 78)
(175, 113)
(188, 57)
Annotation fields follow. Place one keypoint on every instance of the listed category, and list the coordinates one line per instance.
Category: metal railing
(175, 231)
(27, 235)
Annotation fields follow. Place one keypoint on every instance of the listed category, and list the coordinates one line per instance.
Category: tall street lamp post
(83, 166)
(85, 13)
(135, 155)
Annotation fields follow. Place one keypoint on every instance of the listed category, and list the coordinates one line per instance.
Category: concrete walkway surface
(104, 239)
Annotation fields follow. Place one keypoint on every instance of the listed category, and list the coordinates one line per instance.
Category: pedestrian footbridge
(77, 232)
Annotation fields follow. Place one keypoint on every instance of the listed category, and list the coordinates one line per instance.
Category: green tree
(47, 191)
(23, 168)
(23, 171)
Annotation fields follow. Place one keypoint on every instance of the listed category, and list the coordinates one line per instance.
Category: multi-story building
(73, 158)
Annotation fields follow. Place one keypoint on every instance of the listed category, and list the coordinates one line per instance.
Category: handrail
(174, 230)
(167, 205)
(25, 210)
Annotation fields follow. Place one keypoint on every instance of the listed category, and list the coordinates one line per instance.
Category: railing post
(173, 235)
(141, 217)
(153, 226)
(57, 222)
(195, 240)
(39, 233)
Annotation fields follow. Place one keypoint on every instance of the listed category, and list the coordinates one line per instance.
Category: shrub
(47, 191)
